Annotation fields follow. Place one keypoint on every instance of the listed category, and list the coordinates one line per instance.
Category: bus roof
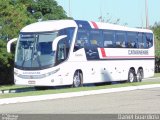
(50, 25)
(53, 25)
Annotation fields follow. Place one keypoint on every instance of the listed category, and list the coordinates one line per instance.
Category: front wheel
(77, 79)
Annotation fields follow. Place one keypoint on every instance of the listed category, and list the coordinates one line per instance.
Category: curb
(73, 94)
(16, 90)
(7, 91)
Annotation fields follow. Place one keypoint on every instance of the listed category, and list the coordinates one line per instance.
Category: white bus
(74, 52)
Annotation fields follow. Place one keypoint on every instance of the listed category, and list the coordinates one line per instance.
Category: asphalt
(144, 101)
(73, 94)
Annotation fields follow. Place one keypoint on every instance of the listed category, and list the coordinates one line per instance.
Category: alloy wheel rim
(131, 77)
(76, 81)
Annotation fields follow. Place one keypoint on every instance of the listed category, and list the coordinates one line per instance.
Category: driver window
(61, 52)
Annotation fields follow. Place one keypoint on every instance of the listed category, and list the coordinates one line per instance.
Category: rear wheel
(77, 79)
(139, 75)
(131, 76)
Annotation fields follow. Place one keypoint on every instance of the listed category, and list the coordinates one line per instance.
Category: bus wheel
(77, 79)
(139, 75)
(131, 76)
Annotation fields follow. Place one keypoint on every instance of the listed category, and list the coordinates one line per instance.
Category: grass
(157, 75)
(7, 87)
(66, 90)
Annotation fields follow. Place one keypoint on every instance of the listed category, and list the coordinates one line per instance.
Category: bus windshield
(34, 50)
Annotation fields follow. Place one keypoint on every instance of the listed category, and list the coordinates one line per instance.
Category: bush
(6, 64)
(157, 64)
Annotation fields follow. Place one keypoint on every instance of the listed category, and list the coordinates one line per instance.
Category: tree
(44, 9)
(156, 30)
(12, 18)
(6, 65)
(14, 15)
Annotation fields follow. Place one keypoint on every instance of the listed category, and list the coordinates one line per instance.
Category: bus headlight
(52, 72)
(16, 73)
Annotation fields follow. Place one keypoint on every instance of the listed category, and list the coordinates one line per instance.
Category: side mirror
(55, 42)
(10, 43)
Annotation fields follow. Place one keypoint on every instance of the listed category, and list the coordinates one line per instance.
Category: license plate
(32, 82)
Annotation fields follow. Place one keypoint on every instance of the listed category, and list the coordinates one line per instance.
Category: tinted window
(108, 39)
(81, 39)
(62, 52)
(144, 40)
(140, 40)
(120, 40)
(95, 38)
(149, 40)
(112, 39)
(69, 32)
(131, 40)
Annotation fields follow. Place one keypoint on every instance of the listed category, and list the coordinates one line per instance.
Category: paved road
(156, 79)
(139, 101)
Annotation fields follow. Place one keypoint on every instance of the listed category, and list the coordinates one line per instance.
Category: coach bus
(75, 52)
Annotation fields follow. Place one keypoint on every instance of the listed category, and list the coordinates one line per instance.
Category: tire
(139, 75)
(131, 76)
(77, 79)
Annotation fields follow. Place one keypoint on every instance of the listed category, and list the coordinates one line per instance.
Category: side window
(120, 40)
(69, 32)
(149, 40)
(81, 39)
(61, 54)
(108, 38)
(144, 40)
(141, 40)
(95, 38)
(131, 40)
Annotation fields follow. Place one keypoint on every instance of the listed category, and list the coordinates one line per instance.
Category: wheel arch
(132, 68)
(140, 68)
(80, 71)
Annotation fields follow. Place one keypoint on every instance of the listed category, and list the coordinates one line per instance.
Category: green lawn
(65, 90)
(7, 87)
(157, 75)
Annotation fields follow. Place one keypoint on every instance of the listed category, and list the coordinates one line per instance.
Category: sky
(129, 12)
